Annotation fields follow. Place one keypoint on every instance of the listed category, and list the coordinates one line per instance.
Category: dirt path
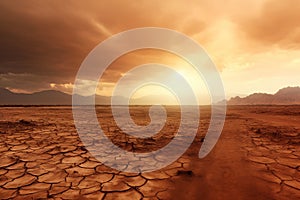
(225, 173)
(247, 165)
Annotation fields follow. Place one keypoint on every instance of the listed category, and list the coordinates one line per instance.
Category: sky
(254, 44)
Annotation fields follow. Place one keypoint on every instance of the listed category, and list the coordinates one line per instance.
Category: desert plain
(256, 157)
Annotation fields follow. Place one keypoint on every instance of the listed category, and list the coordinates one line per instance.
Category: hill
(47, 97)
(285, 96)
(54, 97)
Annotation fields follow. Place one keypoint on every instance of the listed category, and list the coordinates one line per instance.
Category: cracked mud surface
(257, 157)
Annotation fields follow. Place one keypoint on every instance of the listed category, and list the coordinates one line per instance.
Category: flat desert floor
(257, 157)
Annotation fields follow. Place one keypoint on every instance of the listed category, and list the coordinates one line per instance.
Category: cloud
(43, 39)
(44, 42)
(51, 38)
(276, 24)
(22, 81)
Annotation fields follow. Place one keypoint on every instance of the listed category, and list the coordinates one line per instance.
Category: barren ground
(257, 157)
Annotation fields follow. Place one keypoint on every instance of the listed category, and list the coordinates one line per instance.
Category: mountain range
(285, 96)
(47, 97)
(54, 97)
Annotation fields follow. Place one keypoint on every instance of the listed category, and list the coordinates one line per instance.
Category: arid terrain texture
(257, 157)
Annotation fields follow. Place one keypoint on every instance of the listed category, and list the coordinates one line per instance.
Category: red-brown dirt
(257, 157)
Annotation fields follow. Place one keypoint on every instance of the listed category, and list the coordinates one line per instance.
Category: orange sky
(255, 44)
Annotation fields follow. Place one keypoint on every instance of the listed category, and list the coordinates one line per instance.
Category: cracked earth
(257, 156)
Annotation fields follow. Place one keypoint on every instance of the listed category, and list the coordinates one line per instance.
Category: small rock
(185, 172)
(258, 131)
(26, 123)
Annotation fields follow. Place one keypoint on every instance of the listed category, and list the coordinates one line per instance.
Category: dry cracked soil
(256, 157)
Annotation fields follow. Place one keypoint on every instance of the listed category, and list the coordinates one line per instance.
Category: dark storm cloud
(42, 39)
(47, 40)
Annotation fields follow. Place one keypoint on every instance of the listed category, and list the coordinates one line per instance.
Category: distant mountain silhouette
(47, 97)
(285, 96)
(54, 97)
